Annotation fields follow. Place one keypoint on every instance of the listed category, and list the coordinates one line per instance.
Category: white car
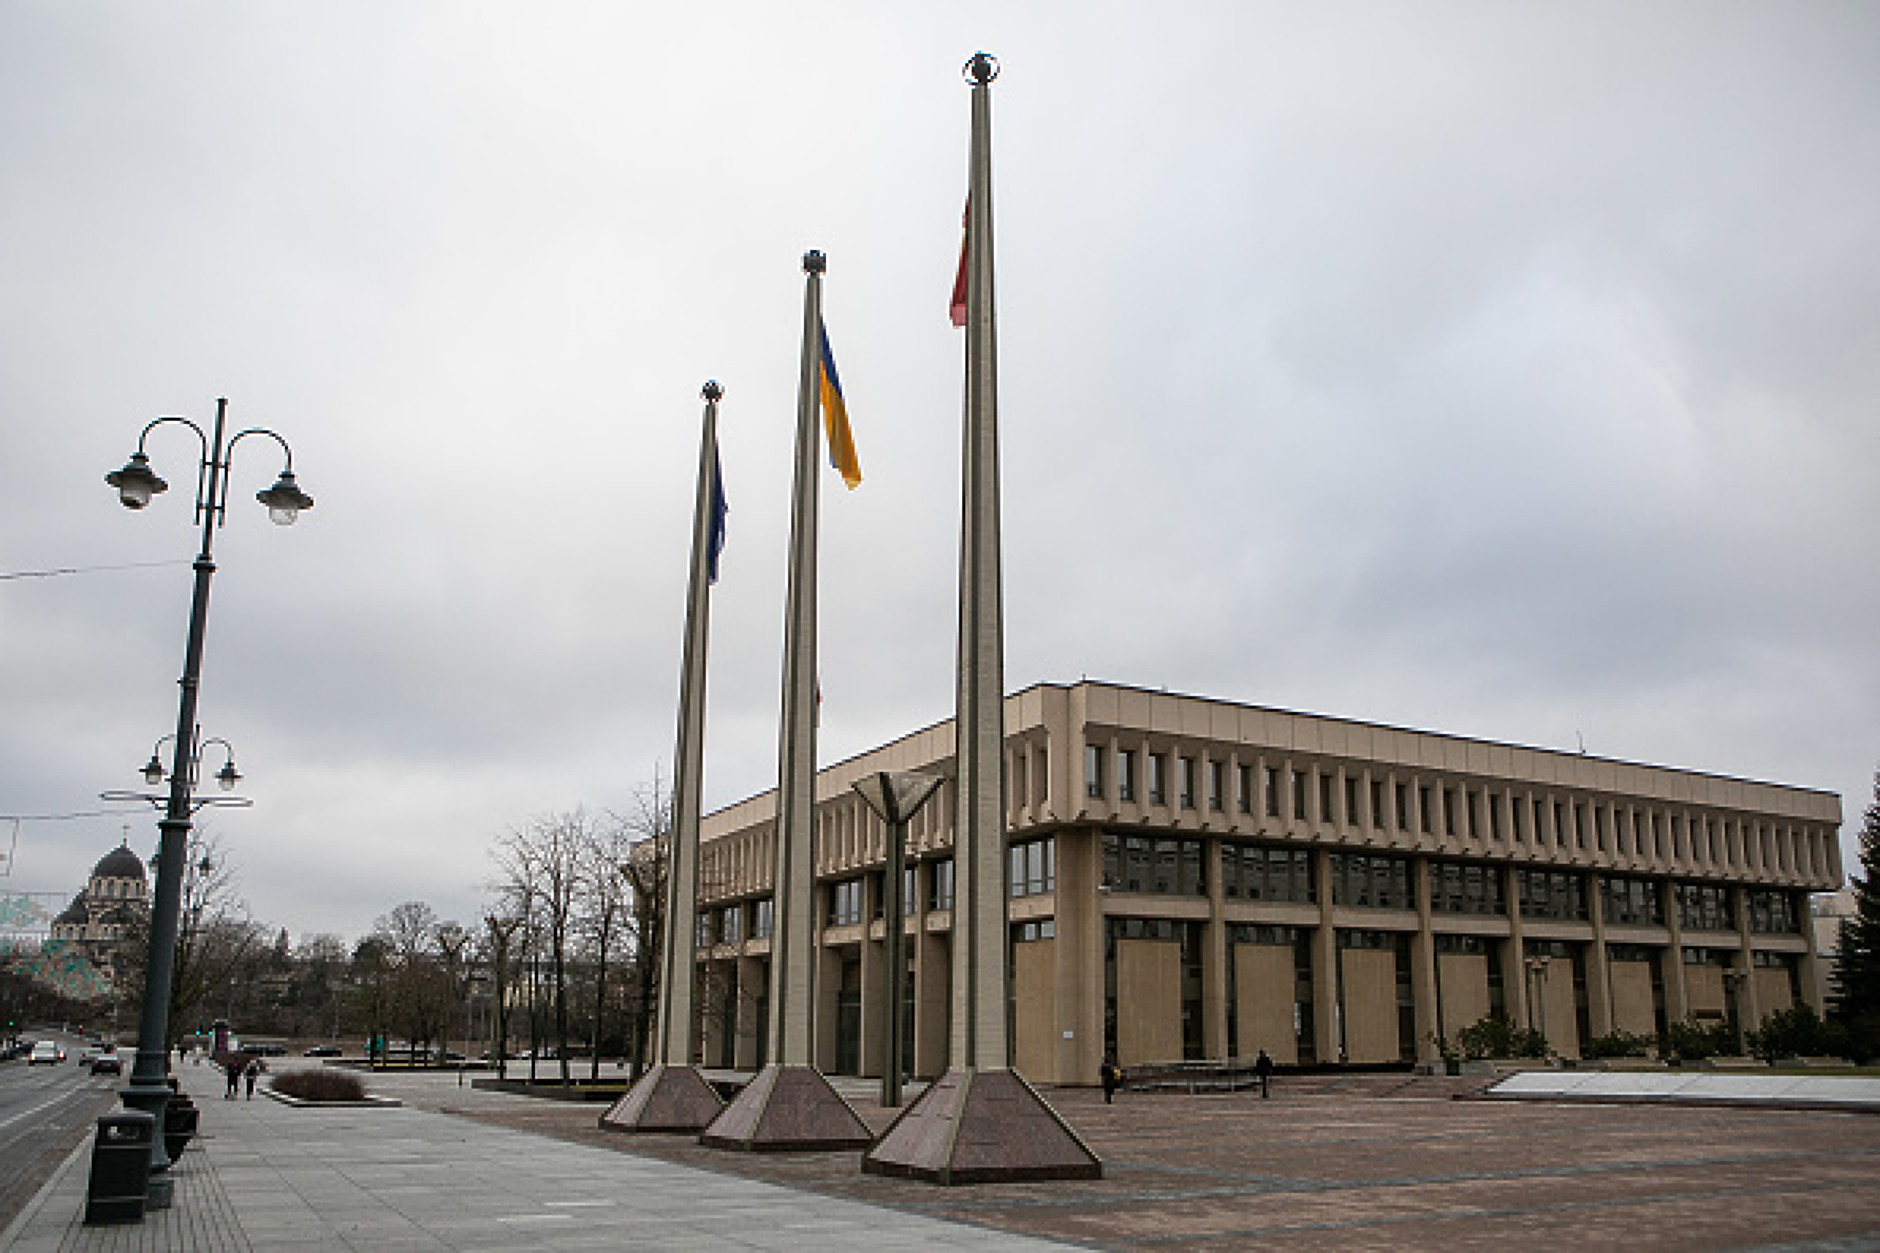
(45, 1051)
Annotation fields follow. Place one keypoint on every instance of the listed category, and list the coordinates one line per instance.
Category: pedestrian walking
(1112, 1077)
(252, 1073)
(1263, 1067)
(233, 1065)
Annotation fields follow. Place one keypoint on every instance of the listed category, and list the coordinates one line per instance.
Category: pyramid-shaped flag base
(667, 1098)
(981, 1126)
(786, 1109)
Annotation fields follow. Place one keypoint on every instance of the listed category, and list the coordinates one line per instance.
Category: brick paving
(1363, 1162)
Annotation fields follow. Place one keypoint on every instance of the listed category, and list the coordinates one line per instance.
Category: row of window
(1187, 782)
(1176, 866)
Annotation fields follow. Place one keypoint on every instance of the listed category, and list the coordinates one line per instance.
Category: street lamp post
(137, 484)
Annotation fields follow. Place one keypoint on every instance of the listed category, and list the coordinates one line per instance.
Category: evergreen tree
(1857, 966)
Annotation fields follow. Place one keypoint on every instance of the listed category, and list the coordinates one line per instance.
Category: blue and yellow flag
(836, 418)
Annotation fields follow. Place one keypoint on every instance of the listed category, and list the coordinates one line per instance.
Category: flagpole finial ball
(711, 390)
(982, 68)
(814, 262)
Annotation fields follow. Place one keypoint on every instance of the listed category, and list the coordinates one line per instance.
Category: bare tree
(604, 857)
(215, 943)
(420, 988)
(649, 826)
(540, 866)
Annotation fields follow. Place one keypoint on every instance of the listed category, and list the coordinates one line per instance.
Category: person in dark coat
(233, 1065)
(1112, 1076)
(1263, 1067)
(252, 1073)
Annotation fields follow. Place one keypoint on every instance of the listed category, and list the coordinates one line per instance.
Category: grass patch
(320, 1085)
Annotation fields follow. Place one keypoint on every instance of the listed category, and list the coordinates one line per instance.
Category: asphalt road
(44, 1112)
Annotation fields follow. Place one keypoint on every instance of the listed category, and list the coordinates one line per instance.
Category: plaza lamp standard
(137, 485)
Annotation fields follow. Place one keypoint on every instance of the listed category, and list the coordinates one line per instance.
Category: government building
(1194, 879)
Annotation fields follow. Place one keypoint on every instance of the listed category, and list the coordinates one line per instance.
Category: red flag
(958, 308)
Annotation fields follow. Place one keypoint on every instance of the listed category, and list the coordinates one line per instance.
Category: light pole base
(162, 1192)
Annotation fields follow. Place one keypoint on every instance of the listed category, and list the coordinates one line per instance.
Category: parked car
(109, 1062)
(323, 1050)
(45, 1051)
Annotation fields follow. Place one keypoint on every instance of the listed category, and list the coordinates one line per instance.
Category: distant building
(1828, 911)
(101, 916)
(1191, 878)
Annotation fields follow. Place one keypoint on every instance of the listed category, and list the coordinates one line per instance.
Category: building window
(1705, 907)
(1187, 781)
(1631, 902)
(1299, 794)
(1217, 785)
(1326, 813)
(1466, 888)
(1033, 867)
(1403, 807)
(1093, 772)
(1772, 911)
(763, 918)
(1254, 872)
(845, 903)
(1371, 882)
(1243, 788)
(1158, 778)
(1272, 791)
(1030, 932)
(731, 925)
(1140, 863)
(1377, 804)
(1558, 894)
(910, 891)
(941, 897)
(1351, 800)
(1449, 811)
(1126, 774)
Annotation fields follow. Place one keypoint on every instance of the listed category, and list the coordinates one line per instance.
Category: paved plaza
(1346, 1161)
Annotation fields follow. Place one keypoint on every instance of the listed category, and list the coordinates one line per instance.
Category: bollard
(120, 1168)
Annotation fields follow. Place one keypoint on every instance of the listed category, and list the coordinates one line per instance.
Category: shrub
(1797, 1031)
(1693, 1041)
(320, 1085)
(1496, 1036)
(1619, 1044)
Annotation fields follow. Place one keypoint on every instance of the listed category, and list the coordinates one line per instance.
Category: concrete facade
(1191, 879)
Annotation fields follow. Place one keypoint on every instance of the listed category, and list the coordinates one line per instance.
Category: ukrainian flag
(836, 418)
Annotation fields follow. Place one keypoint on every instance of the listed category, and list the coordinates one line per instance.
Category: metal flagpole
(672, 1095)
(980, 1122)
(789, 1104)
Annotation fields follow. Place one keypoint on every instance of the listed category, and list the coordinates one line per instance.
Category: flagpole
(673, 1095)
(980, 1122)
(788, 1105)
(792, 965)
(676, 982)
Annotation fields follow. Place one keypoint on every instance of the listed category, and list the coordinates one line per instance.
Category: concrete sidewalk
(267, 1176)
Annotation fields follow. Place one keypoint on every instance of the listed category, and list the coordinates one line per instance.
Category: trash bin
(120, 1168)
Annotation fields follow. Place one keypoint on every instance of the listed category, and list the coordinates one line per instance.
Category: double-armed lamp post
(137, 484)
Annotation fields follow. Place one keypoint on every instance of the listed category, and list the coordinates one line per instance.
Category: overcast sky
(1504, 370)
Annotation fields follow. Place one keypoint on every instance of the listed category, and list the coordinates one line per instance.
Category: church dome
(119, 863)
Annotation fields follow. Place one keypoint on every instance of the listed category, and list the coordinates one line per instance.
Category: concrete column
(1677, 998)
(1079, 954)
(1749, 1004)
(1214, 989)
(1423, 986)
(1598, 980)
(872, 1054)
(1325, 1016)
(1514, 952)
